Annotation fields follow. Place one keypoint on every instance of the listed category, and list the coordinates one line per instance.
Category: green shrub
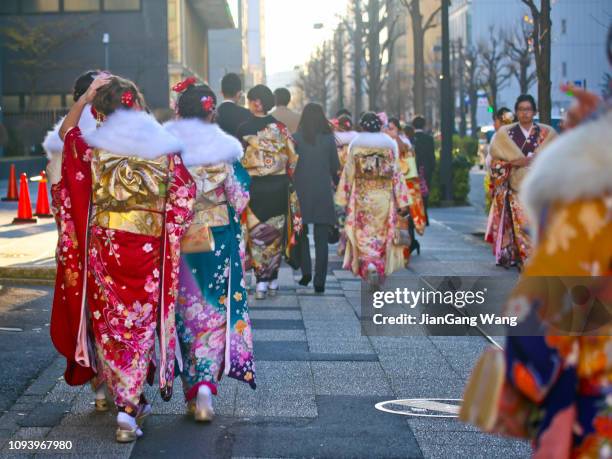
(465, 152)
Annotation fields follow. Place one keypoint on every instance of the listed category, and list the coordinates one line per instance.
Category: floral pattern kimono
(343, 139)
(372, 189)
(138, 205)
(409, 171)
(507, 225)
(212, 313)
(273, 219)
(558, 385)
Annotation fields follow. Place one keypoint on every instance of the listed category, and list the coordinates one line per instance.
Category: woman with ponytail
(212, 316)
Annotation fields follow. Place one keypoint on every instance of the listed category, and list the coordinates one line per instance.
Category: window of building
(563, 26)
(81, 5)
(43, 102)
(121, 5)
(564, 69)
(40, 6)
(11, 103)
(8, 7)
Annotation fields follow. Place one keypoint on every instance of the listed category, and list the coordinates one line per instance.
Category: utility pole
(106, 42)
(462, 108)
(446, 115)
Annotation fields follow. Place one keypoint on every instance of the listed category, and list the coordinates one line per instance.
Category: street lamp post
(446, 108)
(106, 42)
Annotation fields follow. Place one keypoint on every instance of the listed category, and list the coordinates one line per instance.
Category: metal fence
(26, 130)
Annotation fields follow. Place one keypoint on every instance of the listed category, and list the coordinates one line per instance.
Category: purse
(402, 233)
(197, 239)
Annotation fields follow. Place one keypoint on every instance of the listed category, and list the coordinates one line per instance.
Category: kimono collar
(375, 140)
(133, 133)
(53, 144)
(345, 137)
(204, 143)
(575, 166)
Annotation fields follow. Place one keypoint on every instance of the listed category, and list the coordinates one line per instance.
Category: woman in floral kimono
(556, 388)
(272, 217)
(137, 197)
(344, 133)
(373, 191)
(212, 315)
(408, 167)
(512, 149)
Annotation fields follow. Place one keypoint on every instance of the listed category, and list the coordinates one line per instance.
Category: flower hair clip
(127, 99)
(208, 104)
(183, 85)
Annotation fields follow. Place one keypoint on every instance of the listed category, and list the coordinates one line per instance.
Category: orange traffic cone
(24, 209)
(11, 193)
(42, 200)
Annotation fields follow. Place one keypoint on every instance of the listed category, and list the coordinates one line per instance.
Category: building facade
(155, 43)
(579, 29)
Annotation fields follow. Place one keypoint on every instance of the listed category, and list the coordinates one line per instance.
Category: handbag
(198, 238)
(401, 236)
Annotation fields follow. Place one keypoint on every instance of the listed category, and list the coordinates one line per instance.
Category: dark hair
(282, 97)
(191, 103)
(345, 112)
(525, 98)
(263, 94)
(313, 122)
(499, 114)
(231, 84)
(370, 122)
(82, 83)
(345, 123)
(396, 122)
(409, 131)
(109, 97)
(418, 122)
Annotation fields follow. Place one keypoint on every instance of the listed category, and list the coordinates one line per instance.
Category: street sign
(422, 407)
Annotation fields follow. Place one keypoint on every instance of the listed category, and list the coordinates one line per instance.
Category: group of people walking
(159, 224)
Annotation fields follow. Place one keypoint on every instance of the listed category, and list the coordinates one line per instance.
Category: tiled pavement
(318, 380)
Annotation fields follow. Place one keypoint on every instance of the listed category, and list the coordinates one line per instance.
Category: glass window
(121, 5)
(44, 102)
(8, 7)
(81, 5)
(11, 104)
(39, 6)
(68, 100)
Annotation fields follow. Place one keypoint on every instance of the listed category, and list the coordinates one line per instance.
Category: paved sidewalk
(318, 380)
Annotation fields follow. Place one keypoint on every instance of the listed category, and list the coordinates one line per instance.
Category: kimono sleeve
(292, 157)
(345, 186)
(400, 189)
(75, 145)
(237, 187)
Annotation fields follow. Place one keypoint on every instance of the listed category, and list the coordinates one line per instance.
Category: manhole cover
(423, 407)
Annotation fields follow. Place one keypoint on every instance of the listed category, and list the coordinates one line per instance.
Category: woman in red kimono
(127, 202)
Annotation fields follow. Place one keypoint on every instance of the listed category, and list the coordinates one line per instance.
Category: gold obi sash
(210, 206)
(129, 193)
(265, 154)
(374, 167)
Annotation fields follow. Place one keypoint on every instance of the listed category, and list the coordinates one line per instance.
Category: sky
(290, 36)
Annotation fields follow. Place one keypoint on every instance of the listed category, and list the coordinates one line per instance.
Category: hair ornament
(208, 104)
(127, 98)
(183, 85)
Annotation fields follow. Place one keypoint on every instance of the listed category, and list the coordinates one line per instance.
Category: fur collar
(133, 133)
(204, 143)
(576, 166)
(346, 137)
(54, 145)
(374, 140)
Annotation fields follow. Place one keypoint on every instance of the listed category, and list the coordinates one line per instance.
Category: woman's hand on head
(586, 103)
(95, 85)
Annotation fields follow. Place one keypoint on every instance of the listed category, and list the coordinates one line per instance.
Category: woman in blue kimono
(213, 324)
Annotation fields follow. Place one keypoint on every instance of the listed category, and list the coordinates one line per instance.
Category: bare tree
(34, 46)
(520, 50)
(355, 28)
(339, 52)
(472, 86)
(419, 29)
(493, 66)
(316, 79)
(541, 35)
(382, 33)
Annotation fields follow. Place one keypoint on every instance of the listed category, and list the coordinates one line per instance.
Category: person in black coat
(230, 115)
(316, 171)
(424, 149)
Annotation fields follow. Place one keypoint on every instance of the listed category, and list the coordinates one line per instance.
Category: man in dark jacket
(230, 115)
(425, 157)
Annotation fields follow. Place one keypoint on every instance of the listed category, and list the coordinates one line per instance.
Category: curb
(39, 275)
